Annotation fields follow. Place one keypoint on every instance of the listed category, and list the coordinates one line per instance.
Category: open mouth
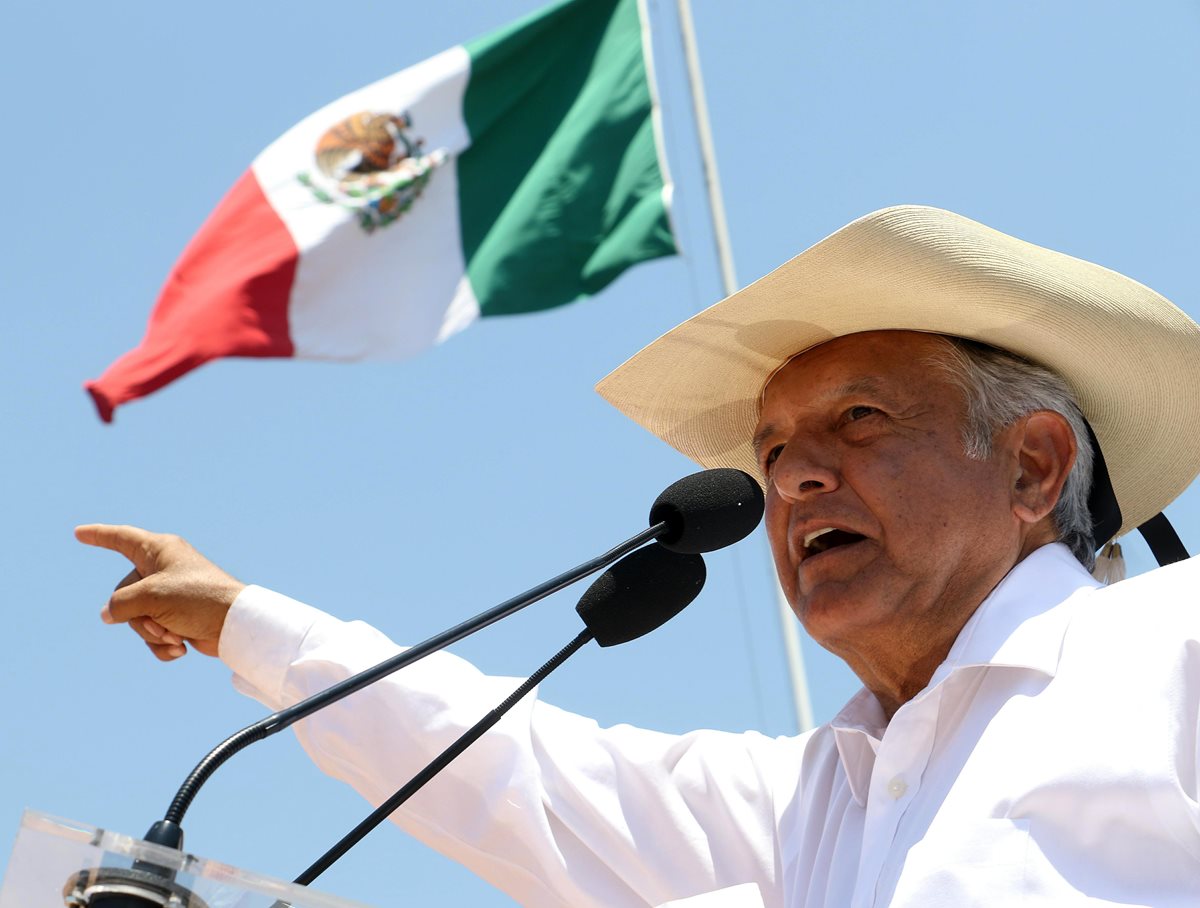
(827, 538)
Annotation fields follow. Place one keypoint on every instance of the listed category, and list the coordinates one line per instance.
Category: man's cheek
(776, 523)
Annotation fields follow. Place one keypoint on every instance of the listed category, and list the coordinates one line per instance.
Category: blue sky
(415, 494)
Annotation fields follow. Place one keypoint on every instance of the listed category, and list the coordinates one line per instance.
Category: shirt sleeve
(547, 806)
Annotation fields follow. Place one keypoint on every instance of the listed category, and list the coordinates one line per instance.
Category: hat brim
(1130, 355)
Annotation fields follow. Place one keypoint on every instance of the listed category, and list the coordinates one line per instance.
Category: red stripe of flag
(226, 296)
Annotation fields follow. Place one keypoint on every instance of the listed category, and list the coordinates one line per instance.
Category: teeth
(808, 540)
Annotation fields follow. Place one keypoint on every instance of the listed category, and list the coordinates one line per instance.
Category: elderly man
(922, 397)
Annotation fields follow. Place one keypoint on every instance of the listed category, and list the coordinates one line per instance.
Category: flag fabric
(515, 173)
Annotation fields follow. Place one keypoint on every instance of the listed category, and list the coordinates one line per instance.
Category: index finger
(132, 542)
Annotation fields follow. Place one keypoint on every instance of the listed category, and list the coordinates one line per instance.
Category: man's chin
(838, 609)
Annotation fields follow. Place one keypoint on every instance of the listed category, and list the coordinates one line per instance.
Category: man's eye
(854, 414)
(772, 456)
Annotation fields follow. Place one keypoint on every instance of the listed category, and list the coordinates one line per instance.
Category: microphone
(708, 510)
(638, 594)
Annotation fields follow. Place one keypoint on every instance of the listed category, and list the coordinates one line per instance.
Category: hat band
(1164, 542)
(1160, 536)
(1102, 500)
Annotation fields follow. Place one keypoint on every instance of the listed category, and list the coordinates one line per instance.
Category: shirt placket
(900, 763)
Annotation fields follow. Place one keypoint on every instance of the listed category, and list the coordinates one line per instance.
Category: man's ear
(1045, 453)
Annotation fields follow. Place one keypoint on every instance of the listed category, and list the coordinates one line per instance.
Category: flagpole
(708, 156)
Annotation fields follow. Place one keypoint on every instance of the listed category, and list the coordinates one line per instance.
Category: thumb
(106, 614)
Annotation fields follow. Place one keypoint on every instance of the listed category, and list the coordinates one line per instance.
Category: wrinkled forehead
(867, 351)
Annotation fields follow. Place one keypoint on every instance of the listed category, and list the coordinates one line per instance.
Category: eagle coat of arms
(370, 165)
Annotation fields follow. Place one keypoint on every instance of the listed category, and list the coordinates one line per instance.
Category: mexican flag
(515, 173)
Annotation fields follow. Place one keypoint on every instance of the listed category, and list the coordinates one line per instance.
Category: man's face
(860, 436)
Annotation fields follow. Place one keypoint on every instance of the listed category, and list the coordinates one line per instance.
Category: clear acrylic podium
(52, 861)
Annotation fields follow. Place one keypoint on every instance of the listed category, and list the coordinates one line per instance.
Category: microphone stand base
(116, 887)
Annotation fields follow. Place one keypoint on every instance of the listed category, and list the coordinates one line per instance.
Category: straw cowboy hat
(1131, 356)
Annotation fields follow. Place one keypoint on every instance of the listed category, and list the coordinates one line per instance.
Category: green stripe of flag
(561, 188)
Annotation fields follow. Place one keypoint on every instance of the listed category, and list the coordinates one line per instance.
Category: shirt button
(897, 787)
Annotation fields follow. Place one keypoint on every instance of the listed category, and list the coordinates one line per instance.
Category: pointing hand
(173, 594)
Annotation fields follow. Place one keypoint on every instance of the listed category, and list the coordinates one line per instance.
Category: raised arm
(547, 806)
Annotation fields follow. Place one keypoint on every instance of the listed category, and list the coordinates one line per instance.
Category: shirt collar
(1016, 626)
(857, 730)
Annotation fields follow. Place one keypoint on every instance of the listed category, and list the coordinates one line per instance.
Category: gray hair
(999, 388)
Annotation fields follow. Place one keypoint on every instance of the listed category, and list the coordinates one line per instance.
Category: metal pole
(787, 621)
(708, 155)
(795, 660)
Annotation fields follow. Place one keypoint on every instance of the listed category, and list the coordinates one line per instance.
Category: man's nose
(803, 469)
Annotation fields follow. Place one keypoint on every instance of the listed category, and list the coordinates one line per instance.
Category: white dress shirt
(1052, 760)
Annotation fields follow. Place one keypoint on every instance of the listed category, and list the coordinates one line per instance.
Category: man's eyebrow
(868, 384)
(761, 436)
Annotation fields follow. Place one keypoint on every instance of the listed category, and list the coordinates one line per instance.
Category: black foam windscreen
(708, 510)
(642, 591)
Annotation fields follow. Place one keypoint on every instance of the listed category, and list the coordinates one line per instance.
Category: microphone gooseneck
(708, 510)
(638, 594)
(278, 721)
